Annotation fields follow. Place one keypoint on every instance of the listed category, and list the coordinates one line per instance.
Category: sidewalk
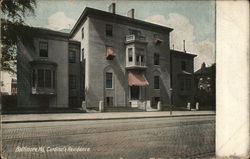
(97, 116)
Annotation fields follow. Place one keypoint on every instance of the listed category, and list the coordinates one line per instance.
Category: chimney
(184, 49)
(112, 8)
(131, 13)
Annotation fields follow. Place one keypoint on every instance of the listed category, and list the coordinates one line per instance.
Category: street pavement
(144, 138)
(15, 118)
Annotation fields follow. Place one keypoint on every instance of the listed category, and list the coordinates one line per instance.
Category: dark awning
(135, 79)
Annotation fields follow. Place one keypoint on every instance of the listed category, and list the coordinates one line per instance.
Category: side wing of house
(182, 79)
(42, 71)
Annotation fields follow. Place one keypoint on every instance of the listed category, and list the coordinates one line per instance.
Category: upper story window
(43, 49)
(130, 54)
(43, 78)
(109, 30)
(82, 55)
(82, 33)
(110, 54)
(72, 81)
(72, 56)
(140, 56)
(156, 82)
(109, 80)
(157, 39)
(134, 32)
(156, 59)
(183, 65)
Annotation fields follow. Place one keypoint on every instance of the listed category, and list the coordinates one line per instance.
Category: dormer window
(157, 39)
(43, 49)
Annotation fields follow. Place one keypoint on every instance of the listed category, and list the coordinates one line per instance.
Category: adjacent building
(120, 60)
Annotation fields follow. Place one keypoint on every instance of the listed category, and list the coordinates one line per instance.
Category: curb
(119, 118)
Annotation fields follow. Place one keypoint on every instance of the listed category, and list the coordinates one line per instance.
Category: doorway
(134, 92)
(109, 102)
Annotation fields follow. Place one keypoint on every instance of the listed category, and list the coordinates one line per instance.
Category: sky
(192, 21)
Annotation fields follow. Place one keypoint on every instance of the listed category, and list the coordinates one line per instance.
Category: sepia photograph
(108, 79)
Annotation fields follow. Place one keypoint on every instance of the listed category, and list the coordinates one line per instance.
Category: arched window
(109, 77)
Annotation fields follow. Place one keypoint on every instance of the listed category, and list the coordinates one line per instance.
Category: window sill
(109, 88)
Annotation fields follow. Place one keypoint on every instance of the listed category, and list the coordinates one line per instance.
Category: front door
(134, 92)
(109, 102)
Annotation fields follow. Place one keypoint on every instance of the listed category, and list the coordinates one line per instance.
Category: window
(54, 79)
(185, 84)
(43, 78)
(110, 54)
(156, 59)
(47, 79)
(40, 73)
(109, 30)
(130, 54)
(72, 56)
(33, 78)
(82, 55)
(82, 33)
(183, 65)
(109, 78)
(140, 56)
(72, 82)
(156, 82)
(134, 32)
(182, 84)
(188, 84)
(43, 49)
(157, 39)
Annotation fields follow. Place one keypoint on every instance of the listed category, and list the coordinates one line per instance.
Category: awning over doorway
(135, 79)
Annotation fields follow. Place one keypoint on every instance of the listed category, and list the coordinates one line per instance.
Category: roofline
(183, 53)
(50, 32)
(87, 11)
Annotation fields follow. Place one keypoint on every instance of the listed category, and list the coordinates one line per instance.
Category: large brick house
(119, 60)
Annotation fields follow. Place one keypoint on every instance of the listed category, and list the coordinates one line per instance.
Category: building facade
(119, 60)
(182, 78)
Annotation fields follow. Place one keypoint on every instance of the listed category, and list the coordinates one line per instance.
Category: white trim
(111, 81)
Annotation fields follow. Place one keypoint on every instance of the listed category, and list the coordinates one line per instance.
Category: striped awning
(135, 79)
(157, 39)
(110, 52)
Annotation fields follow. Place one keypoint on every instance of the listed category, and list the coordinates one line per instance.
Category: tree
(14, 28)
(206, 97)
